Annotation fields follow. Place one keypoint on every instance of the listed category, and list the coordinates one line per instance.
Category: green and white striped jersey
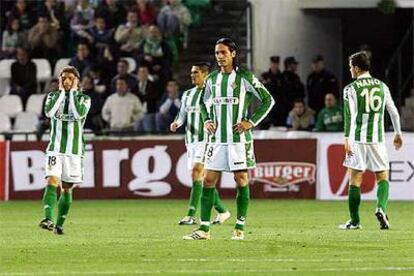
(364, 102)
(190, 113)
(67, 112)
(226, 101)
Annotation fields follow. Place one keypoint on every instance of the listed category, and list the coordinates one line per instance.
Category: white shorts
(68, 168)
(372, 157)
(230, 157)
(195, 154)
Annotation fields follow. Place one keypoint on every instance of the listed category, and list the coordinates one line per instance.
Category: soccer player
(364, 103)
(227, 97)
(67, 109)
(195, 140)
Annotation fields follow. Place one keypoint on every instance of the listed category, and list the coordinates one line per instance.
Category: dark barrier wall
(158, 169)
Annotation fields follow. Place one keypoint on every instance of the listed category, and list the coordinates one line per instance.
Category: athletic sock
(243, 198)
(354, 199)
(218, 203)
(382, 194)
(194, 198)
(49, 200)
(207, 201)
(65, 201)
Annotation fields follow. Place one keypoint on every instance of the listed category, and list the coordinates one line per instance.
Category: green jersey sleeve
(53, 101)
(259, 91)
(347, 97)
(79, 104)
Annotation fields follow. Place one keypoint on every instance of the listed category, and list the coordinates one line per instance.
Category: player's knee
(197, 173)
(241, 179)
(209, 181)
(67, 187)
(383, 175)
(53, 181)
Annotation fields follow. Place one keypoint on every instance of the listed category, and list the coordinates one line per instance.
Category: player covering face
(195, 140)
(365, 100)
(227, 96)
(67, 109)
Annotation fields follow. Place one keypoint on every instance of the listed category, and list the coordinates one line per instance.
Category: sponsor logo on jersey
(283, 173)
(192, 109)
(225, 100)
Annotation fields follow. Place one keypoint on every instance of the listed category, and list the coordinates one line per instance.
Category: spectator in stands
(113, 11)
(21, 12)
(407, 113)
(170, 105)
(331, 117)
(146, 13)
(123, 69)
(82, 61)
(149, 95)
(174, 20)
(107, 63)
(100, 84)
(23, 75)
(273, 80)
(94, 119)
(43, 40)
(100, 36)
(292, 86)
(12, 38)
(122, 109)
(320, 82)
(82, 19)
(155, 52)
(55, 12)
(300, 117)
(129, 35)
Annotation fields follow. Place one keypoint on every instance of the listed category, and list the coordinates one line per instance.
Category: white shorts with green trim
(372, 157)
(68, 168)
(230, 157)
(195, 154)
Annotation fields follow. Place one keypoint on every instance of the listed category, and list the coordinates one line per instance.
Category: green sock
(49, 200)
(382, 194)
(65, 201)
(354, 199)
(195, 197)
(243, 198)
(218, 203)
(207, 201)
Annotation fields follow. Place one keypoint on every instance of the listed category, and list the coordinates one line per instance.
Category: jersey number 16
(373, 101)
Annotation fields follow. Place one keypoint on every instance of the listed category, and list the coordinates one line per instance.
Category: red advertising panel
(158, 169)
(3, 178)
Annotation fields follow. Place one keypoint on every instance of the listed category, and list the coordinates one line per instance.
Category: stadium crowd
(101, 37)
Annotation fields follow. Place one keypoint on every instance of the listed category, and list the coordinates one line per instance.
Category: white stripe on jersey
(229, 128)
(375, 138)
(69, 144)
(217, 107)
(364, 127)
(352, 104)
(58, 135)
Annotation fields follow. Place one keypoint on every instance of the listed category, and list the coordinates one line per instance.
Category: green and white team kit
(365, 101)
(226, 101)
(67, 112)
(195, 136)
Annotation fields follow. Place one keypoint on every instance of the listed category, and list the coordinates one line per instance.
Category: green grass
(142, 237)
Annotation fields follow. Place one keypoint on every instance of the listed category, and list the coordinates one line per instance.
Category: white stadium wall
(281, 27)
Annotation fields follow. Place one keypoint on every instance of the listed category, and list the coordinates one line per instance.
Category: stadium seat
(131, 63)
(35, 104)
(5, 68)
(5, 124)
(26, 122)
(5, 75)
(59, 65)
(23, 137)
(11, 105)
(44, 70)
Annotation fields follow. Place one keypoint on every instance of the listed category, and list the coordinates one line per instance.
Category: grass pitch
(142, 237)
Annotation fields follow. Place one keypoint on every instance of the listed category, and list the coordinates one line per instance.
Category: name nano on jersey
(67, 112)
(227, 97)
(364, 103)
